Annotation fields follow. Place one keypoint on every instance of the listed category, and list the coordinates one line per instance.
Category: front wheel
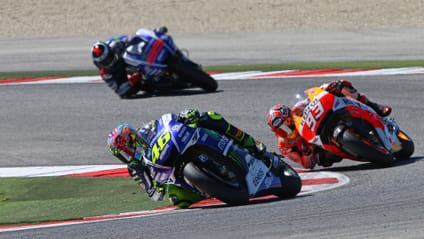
(407, 146)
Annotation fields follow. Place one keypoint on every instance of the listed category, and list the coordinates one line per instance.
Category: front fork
(391, 129)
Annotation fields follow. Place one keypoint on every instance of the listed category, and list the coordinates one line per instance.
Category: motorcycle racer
(292, 145)
(119, 73)
(125, 142)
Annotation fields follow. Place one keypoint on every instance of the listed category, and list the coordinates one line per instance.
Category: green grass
(33, 74)
(232, 68)
(319, 65)
(40, 199)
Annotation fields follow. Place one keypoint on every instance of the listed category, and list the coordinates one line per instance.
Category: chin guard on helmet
(122, 142)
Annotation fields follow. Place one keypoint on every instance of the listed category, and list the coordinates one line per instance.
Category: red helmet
(103, 55)
(279, 119)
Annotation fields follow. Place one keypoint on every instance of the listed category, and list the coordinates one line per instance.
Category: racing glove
(336, 87)
(190, 116)
(141, 174)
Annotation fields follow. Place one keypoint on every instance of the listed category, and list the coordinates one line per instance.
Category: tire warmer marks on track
(312, 182)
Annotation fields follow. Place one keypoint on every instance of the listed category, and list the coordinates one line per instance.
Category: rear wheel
(192, 73)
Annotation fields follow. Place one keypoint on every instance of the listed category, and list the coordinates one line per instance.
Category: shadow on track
(371, 166)
(172, 93)
(253, 201)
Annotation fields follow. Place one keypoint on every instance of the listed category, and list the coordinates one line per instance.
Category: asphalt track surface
(67, 124)
(29, 54)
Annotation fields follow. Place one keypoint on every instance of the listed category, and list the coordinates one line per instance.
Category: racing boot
(382, 110)
(327, 159)
(268, 158)
(182, 198)
(258, 149)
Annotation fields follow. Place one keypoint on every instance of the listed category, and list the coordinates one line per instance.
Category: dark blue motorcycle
(155, 54)
(213, 166)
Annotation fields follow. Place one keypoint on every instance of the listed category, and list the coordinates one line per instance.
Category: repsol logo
(307, 109)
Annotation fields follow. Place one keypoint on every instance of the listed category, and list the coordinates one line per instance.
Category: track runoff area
(236, 75)
(312, 182)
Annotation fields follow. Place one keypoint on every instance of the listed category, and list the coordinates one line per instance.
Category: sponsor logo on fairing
(258, 178)
(185, 138)
(181, 132)
(223, 142)
(203, 157)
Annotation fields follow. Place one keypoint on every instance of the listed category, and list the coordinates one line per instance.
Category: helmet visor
(146, 133)
(288, 130)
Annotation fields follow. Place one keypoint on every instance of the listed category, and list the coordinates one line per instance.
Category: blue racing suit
(139, 56)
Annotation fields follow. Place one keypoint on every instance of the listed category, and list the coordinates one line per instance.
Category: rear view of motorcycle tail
(190, 72)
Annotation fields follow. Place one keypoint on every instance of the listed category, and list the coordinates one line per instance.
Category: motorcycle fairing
(320, 104)
(172, 134)
(148, 35)
(256, 177)
(144, 47)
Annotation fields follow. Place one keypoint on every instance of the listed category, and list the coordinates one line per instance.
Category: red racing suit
(293, 146)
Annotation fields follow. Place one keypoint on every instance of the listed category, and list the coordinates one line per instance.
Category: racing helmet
(279, 119)
(103, 54)
(122, 142)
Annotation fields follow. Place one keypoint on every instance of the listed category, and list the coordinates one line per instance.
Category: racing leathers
(130, 74)
(294, 147)
(344, 88)
(177, 193)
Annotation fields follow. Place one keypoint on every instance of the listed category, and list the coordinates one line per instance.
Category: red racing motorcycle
(347, 128)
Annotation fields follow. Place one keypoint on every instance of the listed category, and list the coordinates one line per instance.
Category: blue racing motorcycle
(212, 165)
(165, 67)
